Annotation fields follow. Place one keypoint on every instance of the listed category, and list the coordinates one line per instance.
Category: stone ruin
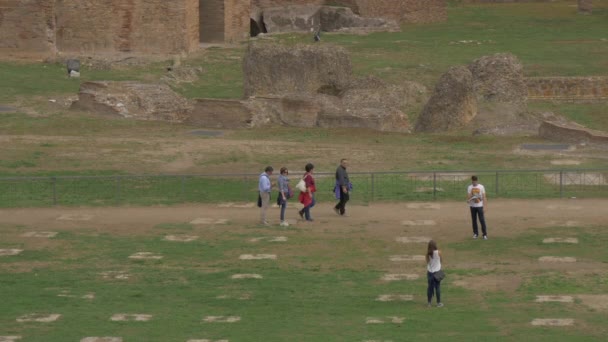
(489, 96)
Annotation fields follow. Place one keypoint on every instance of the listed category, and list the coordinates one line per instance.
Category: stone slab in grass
(9, 338)
(68, 294)
(120, 275)
(257, 256)
(399, 276)
(145, 256)
(565, 162)
(75, 217)
(38, 317)
(102, 339)
(244, 296)
(383, 320)
(559, 299)
(432, 206)
(560, 240)
(122, 317)
(39, 234)
(413, 239)
(236, 205)
(395, 298)
(399, 258)
(205, 340)
(270, 239)
(246, 276)
(206, 220)
(556, 259)
(10, 251)
(181, 238)
(221, 319)
(552, 322)
(418, 223)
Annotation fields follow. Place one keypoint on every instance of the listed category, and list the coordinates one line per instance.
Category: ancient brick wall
(212, 14)
(27, 26)
(567, 88)
(236, 25)
(140, 26)
(277, 3)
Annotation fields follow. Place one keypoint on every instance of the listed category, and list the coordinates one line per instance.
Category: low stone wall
(571, 133)
(567, 88)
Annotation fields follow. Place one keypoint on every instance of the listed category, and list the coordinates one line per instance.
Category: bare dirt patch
(597, 302)
(246, 276)
(145, 256)
(430, 206)
(494, 283)
(10, 251)
(75, 217)
(413, 239)
(257, 256)
(556, 259)
(395, 298)
(418, 223)
(9, 338)
(40, 234)
(101, 339)
(560, 240)
(205, 220)
(559, 299)
(399, 276)
(180, 238)
(400, 258)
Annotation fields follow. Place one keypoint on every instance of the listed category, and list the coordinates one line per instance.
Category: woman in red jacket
(307, 198)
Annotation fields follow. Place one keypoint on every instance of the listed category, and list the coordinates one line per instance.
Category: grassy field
(323, 286)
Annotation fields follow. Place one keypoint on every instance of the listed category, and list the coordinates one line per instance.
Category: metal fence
(368, 187)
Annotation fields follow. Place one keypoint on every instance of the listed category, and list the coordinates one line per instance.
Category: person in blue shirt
(264, 187)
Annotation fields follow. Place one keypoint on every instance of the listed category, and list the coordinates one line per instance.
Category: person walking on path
(343, 187)
(264, 187)
(476, 197)
(433, 265)
(307, 198)
(284, 194)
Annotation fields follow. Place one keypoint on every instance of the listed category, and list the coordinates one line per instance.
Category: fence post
(372, 196)
(118, 189)
(54, 190)
(496, 185)
(182, 191)
(561, 184)
(434, 186)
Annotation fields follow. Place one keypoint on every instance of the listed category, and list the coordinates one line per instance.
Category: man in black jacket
(343, 183)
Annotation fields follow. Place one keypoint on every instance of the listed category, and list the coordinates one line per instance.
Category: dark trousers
(306, 209)
(344, 197)
(475, 213)
(434, 286)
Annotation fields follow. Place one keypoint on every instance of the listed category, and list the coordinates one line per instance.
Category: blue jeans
(283, 206)
(478, 212)
(433, 286)
(306, 209)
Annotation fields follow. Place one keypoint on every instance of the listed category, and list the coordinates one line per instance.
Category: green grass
(297, 300)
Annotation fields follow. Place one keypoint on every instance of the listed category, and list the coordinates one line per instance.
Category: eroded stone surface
(257, 256)
(398, 258)
(560, 240)
(556, 259)
(246, 276)
(433, 206)
(221, 319)
(130, 317)
(145, 256)
(10, 251)
(75, 217)
(413, 239)
(418, 223)
(180, 238)
(382, 320)
(39, 234)
(394, 298)
(553, 322)
(102, 339)
(206, 220)
(37, 317)
(399, 276)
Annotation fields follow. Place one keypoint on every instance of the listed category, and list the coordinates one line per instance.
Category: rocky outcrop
(499, 78)
(132, 100)
(271, 69)
(571, 132)
(452, 105)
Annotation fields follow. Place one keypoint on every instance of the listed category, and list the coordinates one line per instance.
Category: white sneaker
(284, 224)
(474, 236)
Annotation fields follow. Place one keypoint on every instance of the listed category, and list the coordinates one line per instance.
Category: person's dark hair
(309, 167)
(474, 178)
(283, 169)
(430, 249)
(268, 169)
(343, 160)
